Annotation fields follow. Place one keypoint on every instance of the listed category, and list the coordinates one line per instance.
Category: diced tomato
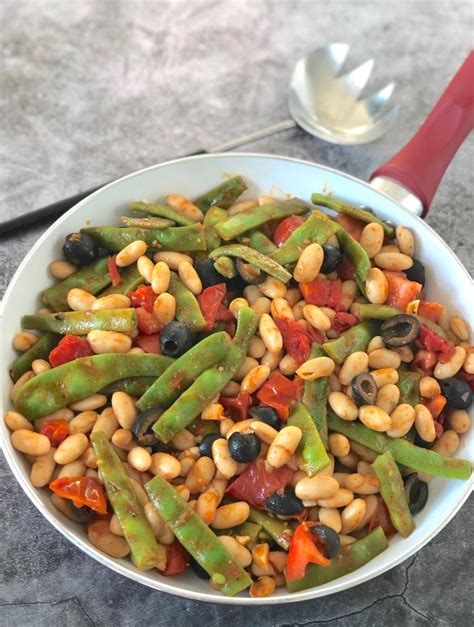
(467, 377)
(346, 269)
(351, 225)
(113, 271)
(149, 343)
(424, 361)
(210, 301)
(144, 297)
(177, 560)
(381, 518)
(238, 405)
(401, 291)
(70, 347)
(322, 292)
(55, 430)
(279, 392)
(296, 340)
(434, 342)
(429, 310)
(343, 321)
(81, 491)
(436, 405)
(147, 323)
(256, 483)
(285, 228)
(303, 551)
(230, 327)
(224, 314)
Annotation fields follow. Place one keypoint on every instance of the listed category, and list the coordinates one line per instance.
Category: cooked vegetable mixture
(256, 390)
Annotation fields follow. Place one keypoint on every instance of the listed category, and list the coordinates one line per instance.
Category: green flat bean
(354, 251)
(197, 538)
(366, 311)
(208, 385)
(248, 529)
(92, 278)
(225, 266)
(179, 238)
(224, 195)
(404, 452)
(187, 306)
(163, 211)
(316, 229)
(134, 386)
(265, 263)
(311, 448)
(131, 279)
(353, 212)
(147, 223)
(349, 559)
(214, 216)
(277, 529)
(315, 395)
(253, 218)
(392, 492)
(81, 322)
(39, 350)
(355, 339)
(59, 387)
(179, 376)
(409, 386)
(145, 551)
(258, 241)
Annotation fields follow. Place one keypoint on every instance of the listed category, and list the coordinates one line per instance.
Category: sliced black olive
(142, 426)
(244, 447)
(197, 569)
(332, 258)
(266, 414)
(364, 389)
(416, 492)
(175, 339)
(250, 273)
(416, 272)
(457, 391)
(329, 539)
(83, 514)
(207, 273)
(80, 249)
(205, 446)
(400, 330)
(284, 504)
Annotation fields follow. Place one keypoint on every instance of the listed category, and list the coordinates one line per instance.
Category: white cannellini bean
(160, 277)
(106, 422)
(339, 445)
(30, 442)
(61, 269)
(166, 466)
(222, 459)
(283, 446)
(372, 238)
(80, 300)
(451, 367)
(424, 423)
(469, 363)
(185, 206)
(352, 515)
(231, 515)
(83, 422)
(123, 439)
(124, 408)
(254, 379)
(172, 259)
(164, 308)
(89, 403)
(429, 387)
(145, 267)
(272, 288)
(447, 444)
(247, 365)
(281, 308)
(309, 264)
(402, 421)
(109, 342)
(213, 411)
(40, 365)
(71, 448)
(376, 286)
(330, 517)
(42, 469)
(240, 554)
(14, 421)
(131, 253)
(103, 539)
(316, 368)
(262, 305)
(257, 348)
(237, 304)
(293, 295)
(343, 406)
(272, 360)
(342, 498)
(243, 205)
(459, 420)
(265, 432)
(15, 390)
(388, 397)
(355, 364)
(460, 328)
(393, 261)
(287, 365)
(315, 488)
(375, 343)
(200, 475)
(363, 483)
(270, 334)
(375, 418)
(384, 358)
(76, 468)
(405, 240)
(251, 293)
(24, 340)
(206, 506)
(316, 317)
(139, 458)
(112, 301)
(298, 309)
(190, 277)
(384, 376)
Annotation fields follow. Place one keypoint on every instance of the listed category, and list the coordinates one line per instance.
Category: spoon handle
(420, 165)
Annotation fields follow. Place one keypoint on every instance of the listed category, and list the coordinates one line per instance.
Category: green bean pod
(223, 195)
(354, 251)
(392, 492)
(315, 395)
(131, 279)
(145, 551)
(197, 538)
(369, 311)
(39, 350)
(92, 278)
(311, 448)
(179, 239)
(355, 339)
(81, 322)
(214, 216)
(259, 242)
(279, 530)
(163, 211)
(265, 263)
(59, 387)
(409, 386)
(225, 266)
(187, 306)
(147, 223)
(134, 386)
(249, 529)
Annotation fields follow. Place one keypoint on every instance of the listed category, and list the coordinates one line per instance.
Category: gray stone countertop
(93, 90)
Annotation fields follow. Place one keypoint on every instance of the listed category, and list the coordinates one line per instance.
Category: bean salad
(256, 390)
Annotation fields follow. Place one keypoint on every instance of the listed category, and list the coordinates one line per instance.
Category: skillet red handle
(420, 165)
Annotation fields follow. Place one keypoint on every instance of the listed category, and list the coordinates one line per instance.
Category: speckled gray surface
(92, 90)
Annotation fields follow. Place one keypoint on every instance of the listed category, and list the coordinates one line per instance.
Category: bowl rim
(120, 566)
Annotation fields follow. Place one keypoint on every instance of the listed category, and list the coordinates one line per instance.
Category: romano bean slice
(225, 266)
(353, 212)
(81, 322)
(145, 551)
(354, 251)
(259, 241)
(59, 387)
(265, 263)
(223, 195)
(366, 311)
(197, 538)
(147, 223)
(409, 386)
(315, 395)
(214, 216)
(187, 306)
(179, 239)
(39, 350)
(355, 339)
(163, 211)
(277, 529)
(311, 448)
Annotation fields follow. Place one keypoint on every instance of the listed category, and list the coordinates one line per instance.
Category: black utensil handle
(55, 209)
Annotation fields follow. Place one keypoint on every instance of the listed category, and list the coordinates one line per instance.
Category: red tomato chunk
(70, 347)
(144, 297)
(381, 518)
(210, 301)
(81, 491)
(55, 430)
(346, 269)
(401, 291)
(322, 292)
(303, 551)
(343, 321)
(296, 340)
(146, 322)
(431, 341)
(257, 483)
(429, 310)
(279, 392)
(238, 405)
(149, 343)
(113, 271)
(177, 560)
(285, 228)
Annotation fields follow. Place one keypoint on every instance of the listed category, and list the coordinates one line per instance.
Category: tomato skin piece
(381, 518)
(144, 297)
(303, 551)
(210, 301)
(401, 291)
(146, 322)
(81, 491)
(149, 343)
(70, 347)
(296, 340)
(431, 341)
(55, 430)
(279, 392)
(436, 405)
(238, 405)
(346, 269)
(351, 225)
(113, 271)
(323, 293)
(256, 483)
(285, 228)
(430, 310)
(177, 560)
(343, 321)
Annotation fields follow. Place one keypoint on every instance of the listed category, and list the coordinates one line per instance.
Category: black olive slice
(364, 389)
(142, 426)
(416, 492)
(400, 330)
(329, 538)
